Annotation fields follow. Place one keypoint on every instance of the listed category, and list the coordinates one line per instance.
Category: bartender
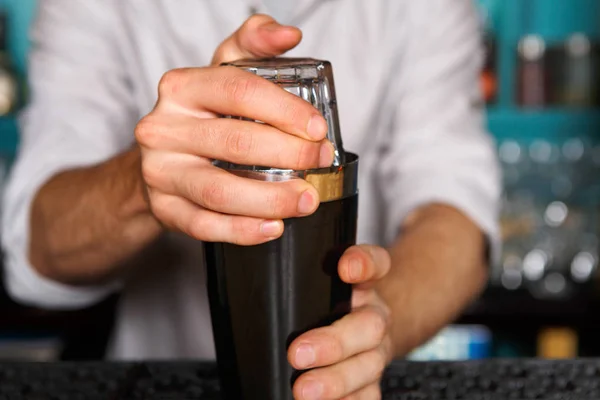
(113, 184)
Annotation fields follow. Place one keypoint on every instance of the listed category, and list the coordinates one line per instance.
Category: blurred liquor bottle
(533, 75)
(489, 80)
(576, 75)
(8, 77)
(557, 343)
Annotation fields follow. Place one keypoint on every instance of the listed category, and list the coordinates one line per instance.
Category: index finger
(233, 91)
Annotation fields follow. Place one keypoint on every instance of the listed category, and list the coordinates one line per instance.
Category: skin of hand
(183, 134)
(350, 355)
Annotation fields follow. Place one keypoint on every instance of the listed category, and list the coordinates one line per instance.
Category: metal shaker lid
(309, 79)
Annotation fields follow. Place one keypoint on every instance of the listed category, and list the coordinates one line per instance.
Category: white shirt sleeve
(438, 149)
(80, 113)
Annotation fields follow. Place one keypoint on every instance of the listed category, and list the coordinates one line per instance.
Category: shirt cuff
(26, 286)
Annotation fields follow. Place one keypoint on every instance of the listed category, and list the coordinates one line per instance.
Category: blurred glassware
(549, 215)
(583, 265)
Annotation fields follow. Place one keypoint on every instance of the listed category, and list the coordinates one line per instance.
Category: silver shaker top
(309, 79)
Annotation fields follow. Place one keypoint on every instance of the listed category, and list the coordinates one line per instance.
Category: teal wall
(20, 13)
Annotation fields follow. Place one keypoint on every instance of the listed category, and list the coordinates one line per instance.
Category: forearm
(438, 266)
(86, 223)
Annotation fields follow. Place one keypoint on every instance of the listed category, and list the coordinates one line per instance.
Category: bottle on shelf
(532, 81)
(8, 76)
(576, 73)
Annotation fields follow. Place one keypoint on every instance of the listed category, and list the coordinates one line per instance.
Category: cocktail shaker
(262, 297)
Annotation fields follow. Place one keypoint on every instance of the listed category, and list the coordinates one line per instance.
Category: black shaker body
(263, 297)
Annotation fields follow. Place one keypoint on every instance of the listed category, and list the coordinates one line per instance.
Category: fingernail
(317, 127)
(307, 203)
(271, 228)
(305, 356)
(327, 154)
(355, 269)
(312, 390)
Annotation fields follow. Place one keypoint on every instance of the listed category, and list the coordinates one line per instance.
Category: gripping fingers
(184, 216)
(240, 142)
(372, 392)
(342, 379)
(232, 91)
(359, 331)
(221, 191)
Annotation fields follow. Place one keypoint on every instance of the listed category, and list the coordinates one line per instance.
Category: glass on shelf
(549, 215)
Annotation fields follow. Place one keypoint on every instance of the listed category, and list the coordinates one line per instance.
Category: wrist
(136, 205)
(136, 202)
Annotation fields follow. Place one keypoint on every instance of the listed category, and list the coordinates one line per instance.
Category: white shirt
(408, 91)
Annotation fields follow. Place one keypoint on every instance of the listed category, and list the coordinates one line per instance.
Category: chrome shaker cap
(309, 79)
(312, 80)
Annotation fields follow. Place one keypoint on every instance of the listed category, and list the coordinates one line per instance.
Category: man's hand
(346, 360)
(184, 133)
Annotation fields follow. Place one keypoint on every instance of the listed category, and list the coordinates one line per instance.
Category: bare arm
(95, 217)
(438, 267)
(86, 223)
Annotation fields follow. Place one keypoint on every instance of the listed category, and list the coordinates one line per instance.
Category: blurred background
(542, 87)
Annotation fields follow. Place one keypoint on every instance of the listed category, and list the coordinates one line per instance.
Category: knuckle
(211, 194)
(196, 226)
(339, 385)
(277, 202)
(244, 230)
(171, 81)
(337, 348)
(291, 109)
(255, 20)
(332, 344)
(251, 24)
(146, 131)
(239, 144)
(379, 363)
(152, 171)
(307, 155)
(159, 206)
(378, 325)
(240, 89)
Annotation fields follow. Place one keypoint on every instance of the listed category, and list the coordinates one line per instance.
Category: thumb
(259, 37)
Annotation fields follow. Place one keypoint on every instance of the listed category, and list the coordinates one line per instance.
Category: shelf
(9, 136)
(498, 307)
(549, 124)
